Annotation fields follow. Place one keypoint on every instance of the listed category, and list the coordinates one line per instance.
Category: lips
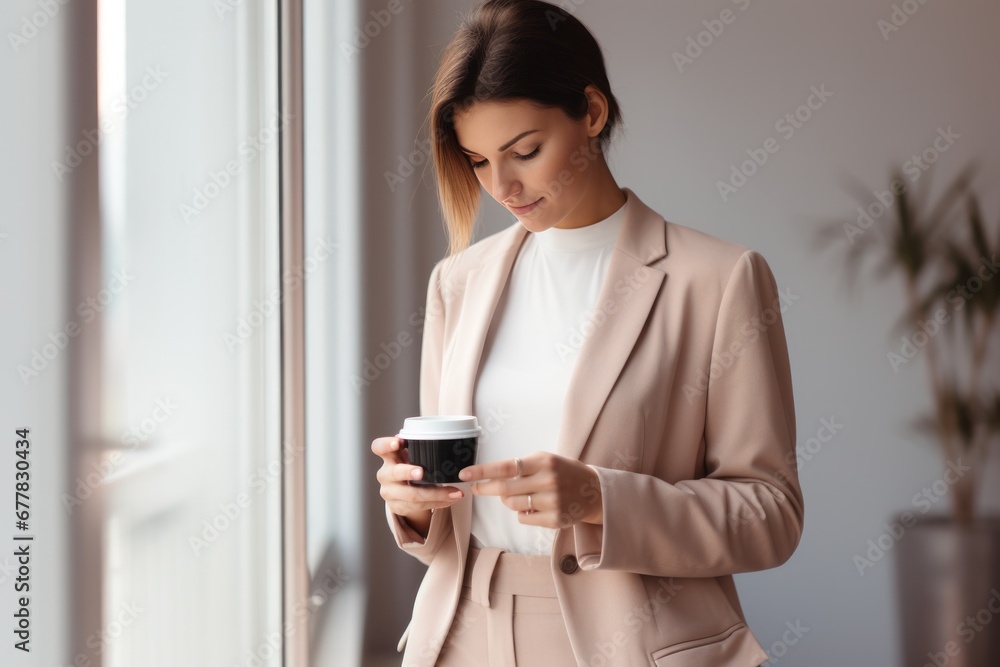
(526, 207)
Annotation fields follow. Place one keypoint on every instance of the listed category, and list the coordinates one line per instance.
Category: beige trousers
(508, 615)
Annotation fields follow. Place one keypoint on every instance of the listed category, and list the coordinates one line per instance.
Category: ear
(597, 110)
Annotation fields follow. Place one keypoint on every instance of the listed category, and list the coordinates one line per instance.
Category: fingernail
(415, 474)
(455, 494)
(394, 445)
(463, 474)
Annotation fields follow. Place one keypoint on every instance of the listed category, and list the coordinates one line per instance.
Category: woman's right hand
(402, 498)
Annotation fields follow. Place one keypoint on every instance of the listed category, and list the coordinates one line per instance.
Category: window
(189, 379)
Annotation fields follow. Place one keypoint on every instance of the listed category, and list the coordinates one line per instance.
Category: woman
(631, 373)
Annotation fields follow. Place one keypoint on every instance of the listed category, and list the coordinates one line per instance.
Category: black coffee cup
(441, 445)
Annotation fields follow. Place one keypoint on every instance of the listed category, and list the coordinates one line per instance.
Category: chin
(533, 225)
(535, 221)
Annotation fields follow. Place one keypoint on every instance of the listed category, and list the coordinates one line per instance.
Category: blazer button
(568, 564)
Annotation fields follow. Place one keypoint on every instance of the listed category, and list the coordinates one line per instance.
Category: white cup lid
(440, 427)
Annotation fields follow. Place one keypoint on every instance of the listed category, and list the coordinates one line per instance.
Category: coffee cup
(442, 445)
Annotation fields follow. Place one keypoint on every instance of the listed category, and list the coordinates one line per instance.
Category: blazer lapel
(626, 296)
(619, 314)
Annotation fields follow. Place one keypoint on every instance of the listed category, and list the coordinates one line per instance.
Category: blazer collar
(621, 309)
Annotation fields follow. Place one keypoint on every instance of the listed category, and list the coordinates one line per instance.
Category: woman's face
(536, 158)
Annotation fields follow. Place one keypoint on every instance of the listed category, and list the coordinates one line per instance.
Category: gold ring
(517, 463)
(529, 504)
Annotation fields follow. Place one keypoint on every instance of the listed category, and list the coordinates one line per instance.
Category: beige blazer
(681, 400)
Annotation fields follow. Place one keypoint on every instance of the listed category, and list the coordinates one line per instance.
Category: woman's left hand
(564, 491)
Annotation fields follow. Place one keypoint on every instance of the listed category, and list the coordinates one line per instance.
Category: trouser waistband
(493, 569)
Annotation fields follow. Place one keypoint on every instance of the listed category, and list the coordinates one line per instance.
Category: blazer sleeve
(412, 543)
(746, 513)
(431, 354)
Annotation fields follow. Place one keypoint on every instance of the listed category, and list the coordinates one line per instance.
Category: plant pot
(949, 591)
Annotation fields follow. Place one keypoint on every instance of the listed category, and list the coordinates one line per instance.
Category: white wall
(684, 131)
(33, 303)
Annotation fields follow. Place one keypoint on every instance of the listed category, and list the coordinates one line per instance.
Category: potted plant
(948, 566)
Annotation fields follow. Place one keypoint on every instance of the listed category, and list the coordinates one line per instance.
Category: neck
(602, 197)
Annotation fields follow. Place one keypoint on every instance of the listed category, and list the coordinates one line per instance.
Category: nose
(504, 186)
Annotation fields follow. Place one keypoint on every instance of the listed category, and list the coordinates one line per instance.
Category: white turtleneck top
(528, 356)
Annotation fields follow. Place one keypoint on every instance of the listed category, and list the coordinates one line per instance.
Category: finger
(507, 487)
(402, 472)
(497, 487)
(387, 448)
(546, 519)
(502, 469)
(446, 494)
(382, 446)
(395, 473)
(408, 508)
(418, 496)
(540, 501)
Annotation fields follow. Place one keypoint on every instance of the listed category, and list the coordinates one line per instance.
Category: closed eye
(477, 165)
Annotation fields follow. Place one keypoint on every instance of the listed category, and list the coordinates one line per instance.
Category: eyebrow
(506, 145)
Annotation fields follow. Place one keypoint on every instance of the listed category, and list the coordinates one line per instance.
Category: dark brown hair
(508, 50)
